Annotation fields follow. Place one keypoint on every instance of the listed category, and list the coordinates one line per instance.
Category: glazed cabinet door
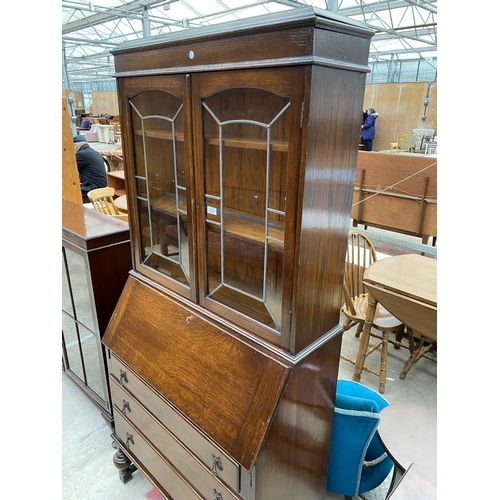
(247, 134)
(83, 358)
(158, 152)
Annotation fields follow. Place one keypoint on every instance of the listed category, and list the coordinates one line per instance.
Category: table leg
(397, 474)
(365, 337)
(383, 363)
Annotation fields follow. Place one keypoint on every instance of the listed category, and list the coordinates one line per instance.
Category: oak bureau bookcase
(240, 145)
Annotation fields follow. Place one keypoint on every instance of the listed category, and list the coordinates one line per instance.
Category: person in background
(368, 128)
(90, 165)
(85, 125)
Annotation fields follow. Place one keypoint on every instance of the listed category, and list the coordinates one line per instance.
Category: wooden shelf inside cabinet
(116, 180)
(228, 141)
(161, 134)
(247, 143)
(234, 223)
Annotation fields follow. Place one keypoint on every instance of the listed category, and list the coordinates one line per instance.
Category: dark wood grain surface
(225, 387)
(415, 483)
(254, 374)
(290, 35)
(89, 229)
(409, 435)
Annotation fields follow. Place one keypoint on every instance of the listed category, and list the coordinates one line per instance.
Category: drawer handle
(216, 464)
(125, 407)
(123, 377)
(129, 440)
(217, 495)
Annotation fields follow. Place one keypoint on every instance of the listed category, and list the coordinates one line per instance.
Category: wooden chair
(102, 200)
(360, 255)
(117, 128)
(406, 141)
(430, 148)
(399, 139)
(118, 132)
(123, 217)
(420, 349)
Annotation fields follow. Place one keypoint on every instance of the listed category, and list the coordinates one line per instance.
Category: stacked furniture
(240, 146)
(422, 135)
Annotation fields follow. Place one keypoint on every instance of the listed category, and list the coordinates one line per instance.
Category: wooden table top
(409, 435)
(416, 483)
(413, 276)
(121, 203)
(406, 285)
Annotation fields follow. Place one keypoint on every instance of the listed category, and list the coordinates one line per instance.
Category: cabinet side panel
(111, 265)
(333, 129)
(294, 459)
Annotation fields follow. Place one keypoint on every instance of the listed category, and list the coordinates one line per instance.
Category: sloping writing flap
(224, 386)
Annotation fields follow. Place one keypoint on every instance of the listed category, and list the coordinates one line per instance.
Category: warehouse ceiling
(404, 29)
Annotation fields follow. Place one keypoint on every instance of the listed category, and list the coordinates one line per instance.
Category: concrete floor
(88, 472)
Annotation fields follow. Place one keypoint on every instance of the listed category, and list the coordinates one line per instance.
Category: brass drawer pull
(129, 440)
(217, 495)
(123, 377)
(125, 407)
(216, 464)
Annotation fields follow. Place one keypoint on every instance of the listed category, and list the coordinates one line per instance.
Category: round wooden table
(408, 434)
(406, 285)
(121, 204)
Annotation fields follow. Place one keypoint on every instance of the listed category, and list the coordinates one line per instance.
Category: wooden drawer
(229, 470)
(155, 463)
(187, 464)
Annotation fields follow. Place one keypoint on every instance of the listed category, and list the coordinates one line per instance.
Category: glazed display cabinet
(240, 145)
(95, 264)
